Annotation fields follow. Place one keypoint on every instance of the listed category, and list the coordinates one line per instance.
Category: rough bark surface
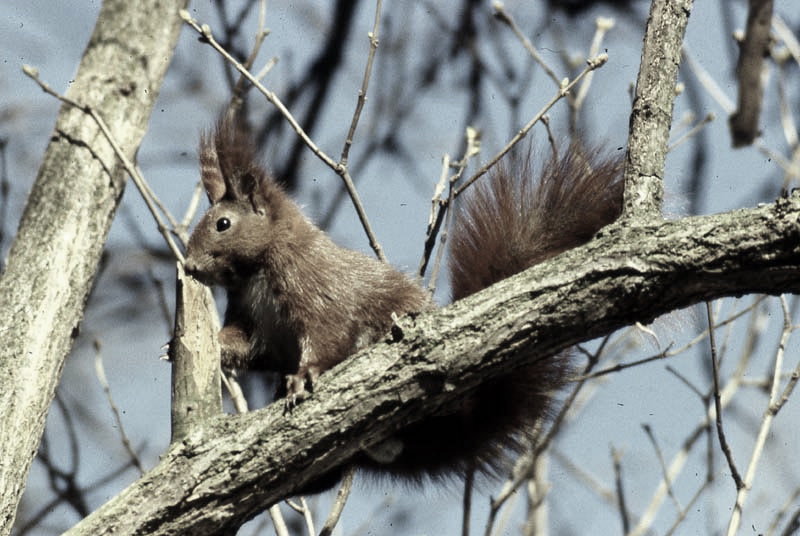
(236, 466)
(194, 348)
(53, 259)
(651, 115)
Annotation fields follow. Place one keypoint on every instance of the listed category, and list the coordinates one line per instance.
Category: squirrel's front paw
(234, 347)
(295, 390)
(296, 385)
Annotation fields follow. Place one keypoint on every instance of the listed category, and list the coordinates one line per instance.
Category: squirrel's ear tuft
(210, 172)
(229, 166)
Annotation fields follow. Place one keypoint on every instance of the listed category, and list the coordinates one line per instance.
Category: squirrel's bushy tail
(515, 219)
(508, 223)
(512, 221)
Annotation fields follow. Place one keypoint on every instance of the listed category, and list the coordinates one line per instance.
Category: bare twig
(723, 442)
(773, 526)
(678, 461)
(237, 93)
(439, 207)
(604, 24)
(563, 90)
(362, 94)
(101, 376)
(773, 407)
(501, 15)
(662, 464)
(338, 504)
(788, 328)
(338, 167)
(153, 203)
(622, 366)
(277, 521)
(692, 131)
(707, 81)
(616, 456)
(682, 513)
(466, 501)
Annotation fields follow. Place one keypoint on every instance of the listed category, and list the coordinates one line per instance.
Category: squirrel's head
(231, 240)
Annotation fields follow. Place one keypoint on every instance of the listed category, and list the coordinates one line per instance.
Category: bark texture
(651, 115)
(55, 253)
(194, 352)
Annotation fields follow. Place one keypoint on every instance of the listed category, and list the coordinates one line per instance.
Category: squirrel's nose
(190, 266)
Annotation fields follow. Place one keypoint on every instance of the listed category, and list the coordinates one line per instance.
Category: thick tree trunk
(54, 257)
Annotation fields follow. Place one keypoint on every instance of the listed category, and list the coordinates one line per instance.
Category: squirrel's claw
(296, 386)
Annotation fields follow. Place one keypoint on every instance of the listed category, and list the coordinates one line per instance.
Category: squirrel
(298, 304)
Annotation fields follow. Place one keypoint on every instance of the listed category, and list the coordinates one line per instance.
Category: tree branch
(196, 394)
(651, 115)
(750, 73)
(234, 467)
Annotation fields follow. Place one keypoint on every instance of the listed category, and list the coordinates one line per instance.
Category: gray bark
(55, 254)
(194, 352)
(651, 115)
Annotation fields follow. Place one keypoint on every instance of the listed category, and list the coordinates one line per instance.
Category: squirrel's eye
(223, 224)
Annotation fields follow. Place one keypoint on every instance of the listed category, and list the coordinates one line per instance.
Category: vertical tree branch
(194, 351)
(651, 116)
(749, 72)
(55, 254)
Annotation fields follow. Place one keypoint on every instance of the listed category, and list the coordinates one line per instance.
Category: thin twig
(769, 416)
(678, 461)
(780, 514)
(439, 207)
(466, 501)
(307, 517)
(786, 108)
(622, 366)
(662, 464)
(668, 352)
(707, 81)
(101, 376)
(152, 202)
(788, 328)
(692, 131)
(191, 210)
(616, 456)
(563, 90)
(683, 513)
(237, 94)
(338, 505)
(277, 521)
(723, 442)
(338, 167)
(501, 15)
(362, 94)
(604, 24)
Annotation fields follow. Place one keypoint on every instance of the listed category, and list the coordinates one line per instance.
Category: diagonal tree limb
(234, 467)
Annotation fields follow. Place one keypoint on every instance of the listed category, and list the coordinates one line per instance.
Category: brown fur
(298, 304)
